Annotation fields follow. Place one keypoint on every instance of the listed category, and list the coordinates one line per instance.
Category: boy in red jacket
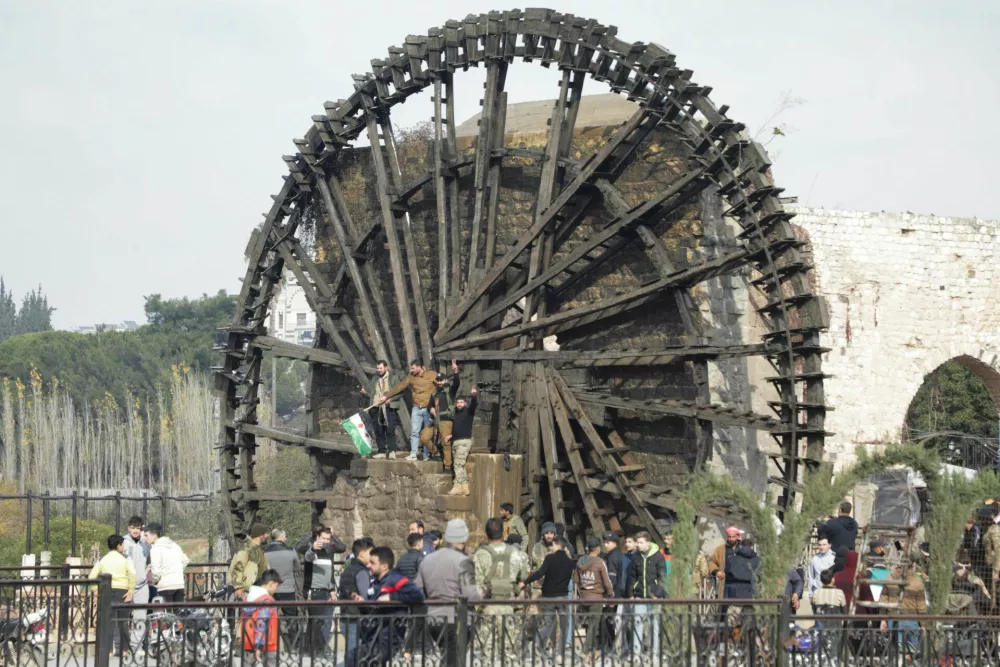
(260, 624)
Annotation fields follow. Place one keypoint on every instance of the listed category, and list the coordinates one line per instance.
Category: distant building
(291, 319)
(127, 325)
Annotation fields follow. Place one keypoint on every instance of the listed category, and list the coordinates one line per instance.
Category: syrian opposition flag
(357, 428)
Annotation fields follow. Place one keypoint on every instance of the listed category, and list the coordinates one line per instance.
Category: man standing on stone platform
(443, 412)
(465, 415)
(422, 384)
(385, 415)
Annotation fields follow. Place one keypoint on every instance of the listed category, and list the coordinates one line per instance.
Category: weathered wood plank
(409, 245)
(549, 449)
(396, 259)
(343, 446)
(624, 480)
(628, 357)
(716, 414)
(360, 284)
(325, 321)
(560, 126)
(656, 207)
(372, 280)
(603, 162)
(286, 496)
(597, 522)
(592, 312)
(490, 125)
(303, 352)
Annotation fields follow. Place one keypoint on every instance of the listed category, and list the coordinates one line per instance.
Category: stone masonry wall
(906, 293)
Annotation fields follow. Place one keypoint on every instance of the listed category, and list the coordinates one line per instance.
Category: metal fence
(81, 506)
(78, 623)
(200, 579)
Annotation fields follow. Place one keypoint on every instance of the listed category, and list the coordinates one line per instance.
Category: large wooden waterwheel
(572, 275)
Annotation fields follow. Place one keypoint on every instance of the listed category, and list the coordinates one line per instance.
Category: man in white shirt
(823, 560)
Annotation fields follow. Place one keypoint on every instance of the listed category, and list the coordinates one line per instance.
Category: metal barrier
(50, 622)
(80, 509)
(79, 623)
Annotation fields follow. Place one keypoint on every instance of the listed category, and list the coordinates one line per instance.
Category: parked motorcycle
(24, 639)
(190, 637)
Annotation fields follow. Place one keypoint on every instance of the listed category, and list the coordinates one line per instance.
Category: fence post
(86, 506)
(118, 512)
(145, 508)
(64, 602)
(103, 639)
(72, 538)
(27, 529)
(783, 630)
(46, 506)
(163, 513)
(211, 548)
(461, 631)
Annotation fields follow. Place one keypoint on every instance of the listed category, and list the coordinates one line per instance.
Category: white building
(291, 319)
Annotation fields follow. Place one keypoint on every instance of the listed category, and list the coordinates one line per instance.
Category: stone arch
(989, 374)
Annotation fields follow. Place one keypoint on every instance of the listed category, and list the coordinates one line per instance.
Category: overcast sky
(140, 141)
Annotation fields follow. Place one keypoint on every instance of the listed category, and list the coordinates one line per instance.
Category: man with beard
(722, 554)
(385, 415)
(443, 414)
(513, 523)
(386, 632)
(422, 383)
(543, 546)
(461, 440)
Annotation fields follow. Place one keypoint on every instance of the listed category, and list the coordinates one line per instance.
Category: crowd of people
(145, 565)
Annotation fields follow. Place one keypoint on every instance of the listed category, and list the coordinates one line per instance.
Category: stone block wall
(906, 293)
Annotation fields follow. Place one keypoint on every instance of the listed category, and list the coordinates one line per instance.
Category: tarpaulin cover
(896, 500)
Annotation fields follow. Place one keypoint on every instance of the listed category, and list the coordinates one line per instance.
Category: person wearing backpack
(500, 568)
(260, 624)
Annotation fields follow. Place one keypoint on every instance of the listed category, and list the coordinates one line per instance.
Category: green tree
(291, 384)
(952, 398)
(8, 312)
(35, 314)
(181, 332)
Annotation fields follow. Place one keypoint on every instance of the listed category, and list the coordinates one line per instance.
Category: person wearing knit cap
(447, 575)
(249, 562)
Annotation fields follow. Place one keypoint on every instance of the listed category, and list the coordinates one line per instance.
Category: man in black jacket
(618, 572)
(647, 579)
(409, 563)
(556, 574)
(842, 530)
(461, 439)
(354, 583)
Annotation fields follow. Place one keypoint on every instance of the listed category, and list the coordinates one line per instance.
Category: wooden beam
(396, 259)
(561, 124)
(303, 352)
(360, 284)
(409, 245)
(592, 312)
(627, 357)
(597, 523)
(491, 124)
(325, 321)
(603, 163)
(605, 455)
(657, 207)
(714, 413)
(550, 451)
(371, 278)
(287, 496)
(343, 446)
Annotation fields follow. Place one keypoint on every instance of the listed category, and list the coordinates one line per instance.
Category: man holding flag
(385, 415)
(422, 384)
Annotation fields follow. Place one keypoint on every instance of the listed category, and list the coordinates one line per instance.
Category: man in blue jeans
(422, 384)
